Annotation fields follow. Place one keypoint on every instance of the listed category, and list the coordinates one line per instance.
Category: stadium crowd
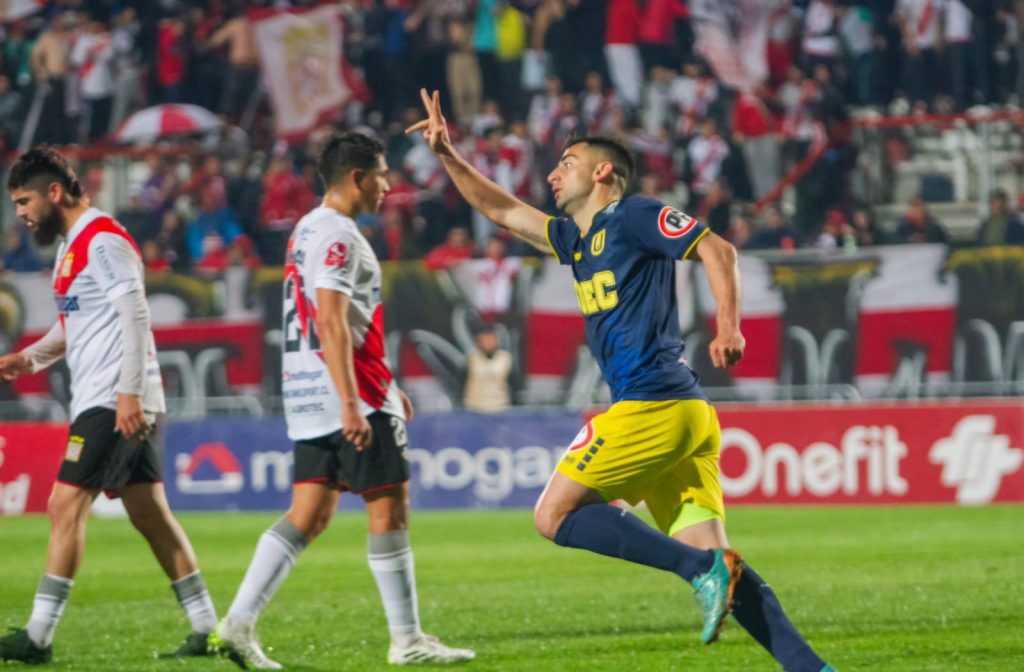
(518, 77)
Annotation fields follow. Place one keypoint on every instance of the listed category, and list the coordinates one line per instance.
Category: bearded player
(104, 333)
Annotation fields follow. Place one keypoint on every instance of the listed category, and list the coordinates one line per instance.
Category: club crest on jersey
(597, 244)
(74, 450)
(674, 224)
(337, 254)
(65, 267)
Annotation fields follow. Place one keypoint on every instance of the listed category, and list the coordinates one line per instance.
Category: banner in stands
(733, 36)
(301, 53)
(199, 358)
(900, 321)
(965, 453)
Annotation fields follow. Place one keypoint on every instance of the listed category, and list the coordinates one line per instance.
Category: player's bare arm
(336, 346)
(721, 263)
(35, 357)
(501, 207)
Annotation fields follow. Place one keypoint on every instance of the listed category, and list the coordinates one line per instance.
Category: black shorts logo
(74, 451)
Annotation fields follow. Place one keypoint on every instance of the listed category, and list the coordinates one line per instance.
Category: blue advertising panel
(459, 460)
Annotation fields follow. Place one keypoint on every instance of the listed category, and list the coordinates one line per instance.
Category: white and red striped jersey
(541, 119)
(326, 251)
(424, 167)
(597, 110)
(514, 171)
(797, 100)
(922, 17)
(485, 158)
(693, 96)
(93, 54)
(706, 157)
(97, 264)
(820, 37)
(493, 280)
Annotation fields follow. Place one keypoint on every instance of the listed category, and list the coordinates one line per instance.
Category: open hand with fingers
(727, 349)
(434, 127)
(14, 365)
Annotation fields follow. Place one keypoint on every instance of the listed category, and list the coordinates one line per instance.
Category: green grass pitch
(886, 588)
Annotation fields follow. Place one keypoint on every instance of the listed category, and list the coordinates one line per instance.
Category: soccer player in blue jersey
(659, 441)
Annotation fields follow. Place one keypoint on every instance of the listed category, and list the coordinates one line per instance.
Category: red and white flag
(874, 311)
(15, 10)
(733, 36)
(301, 56)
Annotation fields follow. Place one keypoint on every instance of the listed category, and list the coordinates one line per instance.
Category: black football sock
(605, 529)
(758, 610)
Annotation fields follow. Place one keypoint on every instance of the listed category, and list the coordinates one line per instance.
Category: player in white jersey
(103, 331)
(344, 411)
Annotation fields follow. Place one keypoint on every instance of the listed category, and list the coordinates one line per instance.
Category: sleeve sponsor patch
(100, 255)
(583, 438)
(674, 224)
(337, 255)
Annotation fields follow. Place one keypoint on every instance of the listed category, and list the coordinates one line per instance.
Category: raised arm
(495, 203)
(222, 36)
(722, 266)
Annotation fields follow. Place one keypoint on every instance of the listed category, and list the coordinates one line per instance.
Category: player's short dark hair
(623, 164)
(346, 152)
(40, 167)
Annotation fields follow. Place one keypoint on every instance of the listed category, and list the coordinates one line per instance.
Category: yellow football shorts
(664, 453)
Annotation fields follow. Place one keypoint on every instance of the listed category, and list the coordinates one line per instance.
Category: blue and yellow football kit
(659, 442)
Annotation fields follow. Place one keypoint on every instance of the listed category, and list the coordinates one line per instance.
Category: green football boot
(18, 646)
(713, 592)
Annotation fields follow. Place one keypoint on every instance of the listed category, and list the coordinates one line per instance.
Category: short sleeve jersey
(624, 272)
(97, 264)
(326, 251)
